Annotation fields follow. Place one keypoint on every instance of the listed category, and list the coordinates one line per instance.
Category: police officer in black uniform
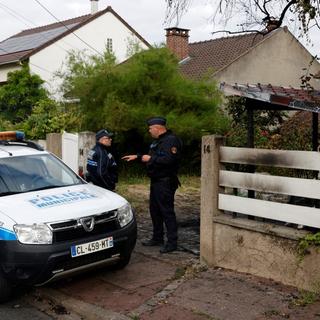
(102, 169)
(162, 164)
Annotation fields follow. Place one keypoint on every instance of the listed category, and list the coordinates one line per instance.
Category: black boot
(168, 248)
(152, 243)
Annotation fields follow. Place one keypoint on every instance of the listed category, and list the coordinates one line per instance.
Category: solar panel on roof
(31, 41)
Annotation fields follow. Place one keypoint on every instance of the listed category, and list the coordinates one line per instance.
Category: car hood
(59, 204)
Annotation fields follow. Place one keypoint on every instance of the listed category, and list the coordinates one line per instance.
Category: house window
(109, 45)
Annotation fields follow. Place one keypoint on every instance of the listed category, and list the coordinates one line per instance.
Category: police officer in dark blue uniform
(102, 169)
(162, 164)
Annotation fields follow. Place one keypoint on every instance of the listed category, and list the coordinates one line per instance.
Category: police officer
(102, 168)
(162, 164)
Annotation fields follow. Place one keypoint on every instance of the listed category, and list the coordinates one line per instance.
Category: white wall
(95, 33)
(279, 60)
(5, 69)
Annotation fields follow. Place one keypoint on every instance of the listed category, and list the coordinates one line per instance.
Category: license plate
(91, 247)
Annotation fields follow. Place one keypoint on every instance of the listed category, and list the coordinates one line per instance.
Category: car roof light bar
(17, 138)
(12, 135)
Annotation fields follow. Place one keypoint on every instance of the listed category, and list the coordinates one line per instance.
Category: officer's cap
(103, 133)
(156, 120)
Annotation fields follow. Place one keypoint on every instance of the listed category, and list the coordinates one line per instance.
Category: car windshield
(34, 172)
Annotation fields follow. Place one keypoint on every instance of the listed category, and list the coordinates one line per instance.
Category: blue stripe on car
(6, 234)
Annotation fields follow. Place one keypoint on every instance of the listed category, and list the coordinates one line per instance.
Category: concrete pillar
(86, 141)
(210, 167)
(54, 143)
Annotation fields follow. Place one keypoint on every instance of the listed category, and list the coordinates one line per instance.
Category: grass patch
(135, 188)
(305, 298)
(305, 243)
(179, 273)
(129, 179)
(187, 181)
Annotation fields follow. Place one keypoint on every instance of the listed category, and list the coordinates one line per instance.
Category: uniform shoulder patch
(174, 150)
(91, 153)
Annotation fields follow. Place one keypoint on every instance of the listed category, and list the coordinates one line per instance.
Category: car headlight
(33, 234)
(125, 215)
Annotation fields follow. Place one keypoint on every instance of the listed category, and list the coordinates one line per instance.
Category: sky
(147, 17)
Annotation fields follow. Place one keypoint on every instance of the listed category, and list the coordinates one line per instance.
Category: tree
(21, 92)
(25, 105)
(50, 116)
(295, 133)
(265, 123)
(258, 13)
(121, 97)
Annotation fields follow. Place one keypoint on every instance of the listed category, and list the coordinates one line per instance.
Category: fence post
(210, 166)
(54, 143)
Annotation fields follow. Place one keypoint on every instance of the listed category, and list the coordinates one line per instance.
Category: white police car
(52, 222)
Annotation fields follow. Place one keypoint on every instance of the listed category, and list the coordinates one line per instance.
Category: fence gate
(70, 150)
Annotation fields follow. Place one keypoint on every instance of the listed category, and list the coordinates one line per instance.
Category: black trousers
(162, 209)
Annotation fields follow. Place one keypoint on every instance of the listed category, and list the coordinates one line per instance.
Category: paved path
(158, 286)
(172, 286)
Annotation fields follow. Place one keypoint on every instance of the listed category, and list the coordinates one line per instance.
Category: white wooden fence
(308, 188)
(264, 247)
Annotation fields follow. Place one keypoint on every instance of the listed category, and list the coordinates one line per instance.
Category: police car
(52, 222)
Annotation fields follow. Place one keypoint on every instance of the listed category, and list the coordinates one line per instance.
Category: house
(46, 48)
(276, 58)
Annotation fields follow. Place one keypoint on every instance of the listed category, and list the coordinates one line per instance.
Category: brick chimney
(94, 6)
(178, 41)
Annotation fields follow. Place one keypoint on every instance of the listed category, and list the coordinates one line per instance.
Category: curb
(72, 305)
(158, 298)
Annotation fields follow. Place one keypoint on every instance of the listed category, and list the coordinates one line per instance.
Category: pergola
(269, 97)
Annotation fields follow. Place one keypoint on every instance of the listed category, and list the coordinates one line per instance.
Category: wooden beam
(271, 210)
(250, 136)
(308, 188)
(263, 105)
(307, 160)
